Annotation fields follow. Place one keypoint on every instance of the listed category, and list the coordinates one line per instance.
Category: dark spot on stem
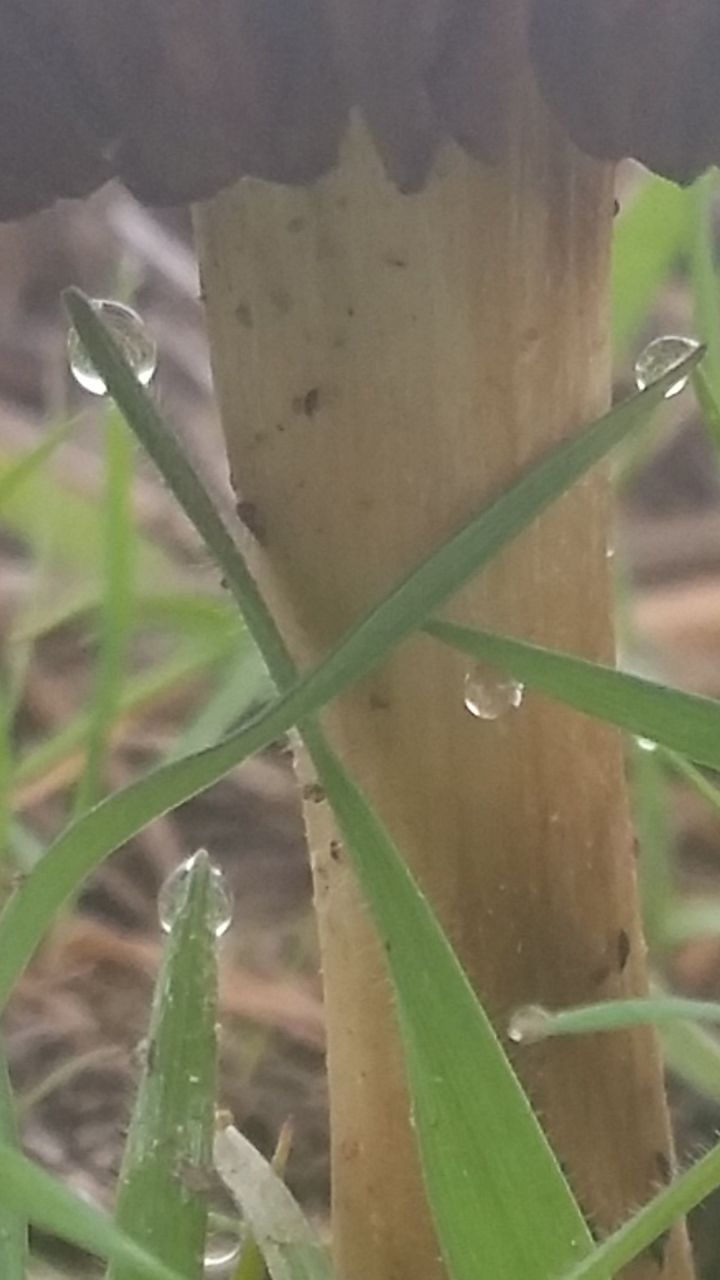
(250, 516)
(244, 314)
(308, 404)
(623, 949)
(657, 1249)
(335, 850)
(378, 702)
(313, 793)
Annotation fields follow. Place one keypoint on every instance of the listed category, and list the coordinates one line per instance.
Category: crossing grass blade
(169, 1146)
(93, 837)
(287, 1242)
(473, 1141)
(84, 844)
(476, 1131)
(533, 1024)
(13, 1222)
(649, 238)
(115, 622)
(27, 1189)
(652, 1221)
(685, 722)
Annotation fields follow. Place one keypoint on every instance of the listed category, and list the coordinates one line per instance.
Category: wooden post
(385, 363)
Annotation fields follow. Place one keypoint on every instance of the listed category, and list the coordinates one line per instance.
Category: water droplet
(490, 693)
(173, 888)
(131, 335)
(221, 1249)
(528, 1025)
(646, 744)
(659, 357)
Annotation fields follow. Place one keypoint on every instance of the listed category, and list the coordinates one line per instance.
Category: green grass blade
(244, 686)
(283, 1235)
(119, 539)
(708, 404)
(139, 692)
(693, 1054)
(652, 1221)
(649, 238)
(499, 1199)
(169, 1146)
(23, 468)
(25, 1188)
(535, 1023)
(82, 846)
(443, 1070)
(656, 873)
(702, 198)
(13, 1222)
(407, 606)
(520, 1158)
(685, 722)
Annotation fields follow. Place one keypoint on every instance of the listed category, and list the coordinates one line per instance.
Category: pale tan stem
(384, 363)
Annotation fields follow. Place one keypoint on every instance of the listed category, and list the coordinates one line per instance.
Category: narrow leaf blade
(28, 1189)
(685, 722)
(84, 844)
(286, 1240)
(169, 1145)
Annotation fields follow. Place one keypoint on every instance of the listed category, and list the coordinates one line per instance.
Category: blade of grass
(652, 1221)
(407, 606)
(703, 274)
(21, 469)
(246, 685)
(119, 538)
(13, 1222)
(169, 1145)
(649, 238)
(477, 1134)
(76, 521)
(686, 722)
(28, 1189)
(85, 843)
(709, 406)
(281, 1231)
(138, 693)
(693, 1054)
(452, 1107)
(533, 1024)
(655, 866)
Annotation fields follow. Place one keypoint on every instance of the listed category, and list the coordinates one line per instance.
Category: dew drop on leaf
(172, 891)
(131, 335)
(221, 1250)
(528, 1025)
(659, 357)
(489, 693)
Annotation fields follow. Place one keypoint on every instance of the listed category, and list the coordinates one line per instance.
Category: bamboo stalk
(384, 363)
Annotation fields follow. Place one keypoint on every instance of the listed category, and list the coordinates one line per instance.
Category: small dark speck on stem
(309, 403)
(250, 516)
(657, 1249)
(664, 1166)
(623, 949)
(244, 314)
(313, 793)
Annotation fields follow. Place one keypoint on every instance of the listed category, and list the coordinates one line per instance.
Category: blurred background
(120, 649)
